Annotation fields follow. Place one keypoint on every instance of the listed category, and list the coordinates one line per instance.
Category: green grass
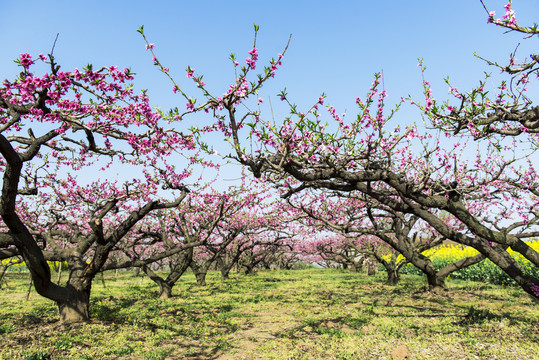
(301, 314)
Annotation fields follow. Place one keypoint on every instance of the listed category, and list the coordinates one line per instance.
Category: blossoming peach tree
(368, 227)
(171, 237)
(491, 198)
(58, 131)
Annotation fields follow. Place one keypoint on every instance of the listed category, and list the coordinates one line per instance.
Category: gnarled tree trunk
(393, 276)
(201, 278)
(76, 306)
(165, 290)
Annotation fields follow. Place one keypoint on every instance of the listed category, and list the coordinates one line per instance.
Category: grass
(301, 314)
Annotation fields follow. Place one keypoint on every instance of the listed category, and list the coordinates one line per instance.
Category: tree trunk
(358, 267)
(165, 290)
(3, 269)
(103, 279)
(225, 272)
(435, 282)
(59, 274)
(248, 269)
(76, 307)
(371, 268)
(391, 267)
(393, 277)
(29, 288)
(201, 278)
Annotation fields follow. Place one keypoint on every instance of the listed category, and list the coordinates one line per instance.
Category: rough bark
(225, 273)
(201, 278)
(371, 268)
(3, 269)
(76, 306)
(181, 264)
(165, 290)
(393, 276)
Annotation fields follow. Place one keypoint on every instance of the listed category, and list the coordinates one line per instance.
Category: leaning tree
(407, 168)
(167, 239)
(365, 223)
(61, 134)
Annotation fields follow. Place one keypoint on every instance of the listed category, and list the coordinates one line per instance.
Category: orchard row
(346, 188)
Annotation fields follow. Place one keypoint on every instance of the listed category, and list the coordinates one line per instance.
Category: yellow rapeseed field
(485, 271)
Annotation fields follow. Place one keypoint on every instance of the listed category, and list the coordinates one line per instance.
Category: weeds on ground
(300, 314)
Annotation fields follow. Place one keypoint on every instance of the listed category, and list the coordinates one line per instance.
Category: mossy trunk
(248, 269)
(371, 268)
(358, 267)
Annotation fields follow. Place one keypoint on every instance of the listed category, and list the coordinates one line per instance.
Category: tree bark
(76, 306)
(3, 269)
(165, 290)
(29, 288)
(393, 276)
(225, 273)
(59, 274)
(201, 278)
(371, 267)
(435, 282)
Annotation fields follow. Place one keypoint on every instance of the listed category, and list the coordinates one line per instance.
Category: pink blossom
(26, 60)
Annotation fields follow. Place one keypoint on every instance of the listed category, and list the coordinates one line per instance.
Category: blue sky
(336, 46)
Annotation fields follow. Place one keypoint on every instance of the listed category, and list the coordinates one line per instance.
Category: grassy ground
(302, 314)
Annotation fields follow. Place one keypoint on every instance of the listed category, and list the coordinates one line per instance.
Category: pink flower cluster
(507, 19)
(251, 61)
(509, 16)
(26, 60)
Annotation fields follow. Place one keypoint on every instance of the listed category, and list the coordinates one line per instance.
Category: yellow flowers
(484, 271)
(455, 252)
(450, 252)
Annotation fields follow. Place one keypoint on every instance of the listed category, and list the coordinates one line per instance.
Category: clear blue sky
(336, 46)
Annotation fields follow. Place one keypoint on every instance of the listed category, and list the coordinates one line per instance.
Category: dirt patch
(263, 326)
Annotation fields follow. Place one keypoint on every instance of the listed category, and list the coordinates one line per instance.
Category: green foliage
(157, 354)
(6, 329)
(64, 344)
(40, 355)
(126, 350)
